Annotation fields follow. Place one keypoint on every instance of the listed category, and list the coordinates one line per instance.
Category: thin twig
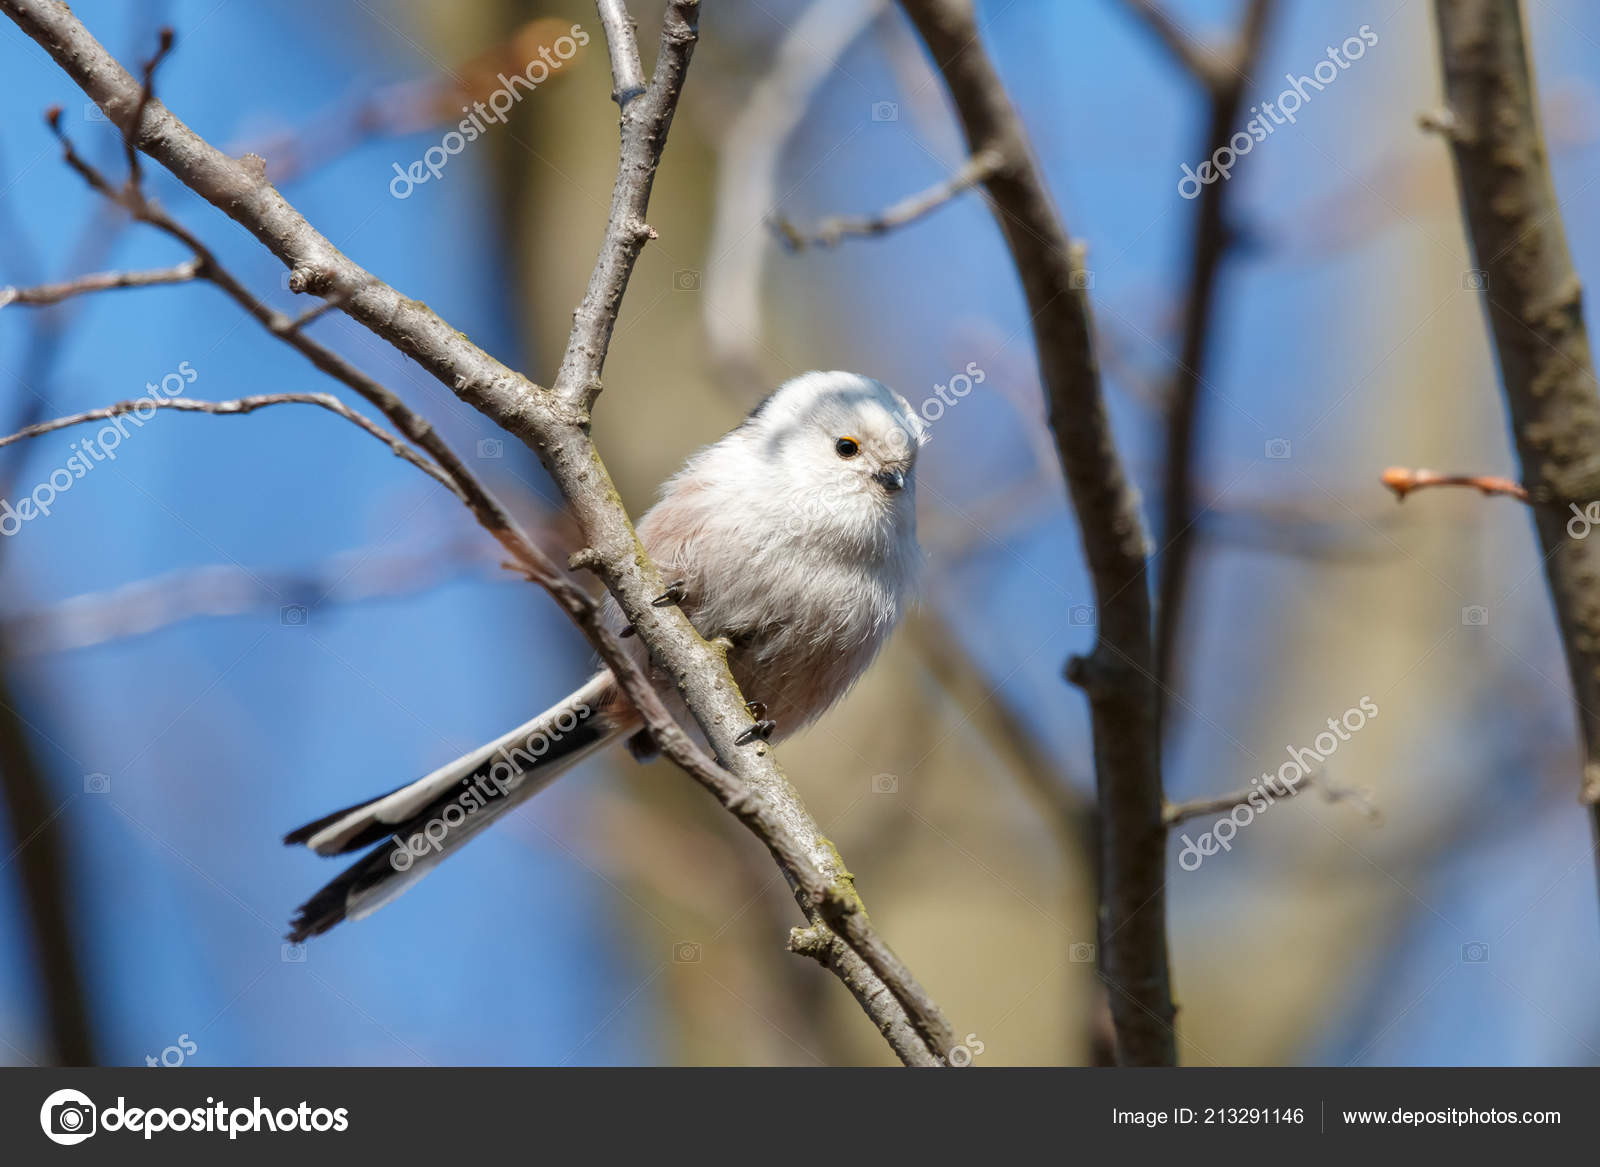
(1273, 789)
(395, 110)
(238, 406)
(489, 511)
(627, 74)
(130, 145)
(310, 314)
(42, 294)
(1199, 61)
(645, 122)
(1403, 481)
(1182, 812)
(831, 231)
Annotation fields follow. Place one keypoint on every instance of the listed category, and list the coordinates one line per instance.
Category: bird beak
(890, 478)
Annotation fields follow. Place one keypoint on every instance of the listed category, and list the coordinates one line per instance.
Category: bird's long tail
(418, 825)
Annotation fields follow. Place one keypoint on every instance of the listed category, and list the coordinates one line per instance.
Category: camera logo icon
(1475, 952)
(292, 615)
(1475, 616)
(885, 111)
(491, 448)
(97, 783)
(686, 280)
(885, 784)
(1278, 449)
(1081, 279)
(1080, 615)
(293, 954)
(1475, 280)
(686, 952)
(1081, 953)
(93, 113)
(68, 1117)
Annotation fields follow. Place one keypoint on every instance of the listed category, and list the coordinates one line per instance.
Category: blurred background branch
(1534, 304)
(1117, 676)
(1224, 75)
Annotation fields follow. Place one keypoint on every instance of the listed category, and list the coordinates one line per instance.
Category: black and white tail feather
(418, 825)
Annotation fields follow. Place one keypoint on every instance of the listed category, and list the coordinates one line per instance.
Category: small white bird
(794, 537)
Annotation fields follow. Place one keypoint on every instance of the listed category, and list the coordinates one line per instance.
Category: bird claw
(756, 710)
(674, 594)
(761, 730)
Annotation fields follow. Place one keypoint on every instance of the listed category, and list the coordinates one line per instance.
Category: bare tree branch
(1118, 676)
(1535, 310)
(241, 405)
(831, 231)
(1225, 76)
(1275, 790)
(42, 294)
(1200, 62)
(645, 122)
(555, 426)
(490, 513)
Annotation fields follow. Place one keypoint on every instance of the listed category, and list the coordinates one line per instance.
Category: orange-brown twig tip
(1400, 480)
(1403, 482)
(166, 36)
(52, 117)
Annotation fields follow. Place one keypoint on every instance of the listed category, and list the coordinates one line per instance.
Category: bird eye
(847, 447)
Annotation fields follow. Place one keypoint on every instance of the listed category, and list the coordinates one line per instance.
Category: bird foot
(760, 731)
(674, 594)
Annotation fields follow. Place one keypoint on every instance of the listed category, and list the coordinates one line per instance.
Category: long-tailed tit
(793, 537)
